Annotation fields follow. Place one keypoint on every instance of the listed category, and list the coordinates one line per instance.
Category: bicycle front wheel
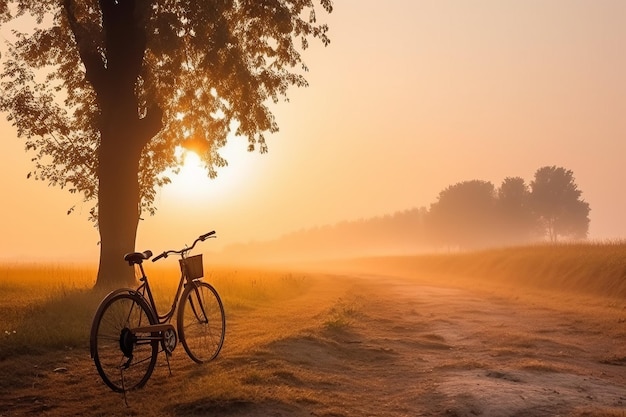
(124, 359)
(201, 322)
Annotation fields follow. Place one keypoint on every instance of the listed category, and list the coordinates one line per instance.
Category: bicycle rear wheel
(201, 322)
(125, 360)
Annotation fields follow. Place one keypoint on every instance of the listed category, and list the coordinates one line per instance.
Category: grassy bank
(592, 268)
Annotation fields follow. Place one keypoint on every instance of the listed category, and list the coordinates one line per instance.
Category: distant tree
(464, 215)
(139, 78)
(556, 200)
(518, 222)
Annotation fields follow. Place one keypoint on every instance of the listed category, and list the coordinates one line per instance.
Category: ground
(362, 345)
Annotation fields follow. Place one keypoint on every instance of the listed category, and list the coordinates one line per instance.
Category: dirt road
(368, 346)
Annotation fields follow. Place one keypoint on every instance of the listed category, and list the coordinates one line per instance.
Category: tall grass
(592, 268)
(45, 306)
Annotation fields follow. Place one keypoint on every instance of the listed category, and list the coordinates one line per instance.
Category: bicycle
(127, 331)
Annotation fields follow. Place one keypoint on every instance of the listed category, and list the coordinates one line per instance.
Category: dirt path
(369, 346)
(497, 356)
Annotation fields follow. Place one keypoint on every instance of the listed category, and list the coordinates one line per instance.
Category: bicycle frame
(157, 332)
(146, 292)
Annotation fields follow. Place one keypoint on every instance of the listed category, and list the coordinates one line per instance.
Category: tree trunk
(123, 137)
(119, 194)
(123, 134)
(118, 211)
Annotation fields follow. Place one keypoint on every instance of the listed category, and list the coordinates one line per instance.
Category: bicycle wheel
(124, 360)
(201, 322)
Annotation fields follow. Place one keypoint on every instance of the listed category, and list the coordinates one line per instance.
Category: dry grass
(45, 307)
(321, 344)
(50, 306)
(595, 269)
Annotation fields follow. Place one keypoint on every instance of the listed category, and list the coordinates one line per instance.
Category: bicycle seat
(137, 257)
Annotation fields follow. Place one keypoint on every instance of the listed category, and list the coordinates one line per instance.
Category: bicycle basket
(193, 265)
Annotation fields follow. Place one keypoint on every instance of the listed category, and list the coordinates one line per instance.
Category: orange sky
(410, 97)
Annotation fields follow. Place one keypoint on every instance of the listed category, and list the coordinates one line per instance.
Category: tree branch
(125, 37)
(89, 55)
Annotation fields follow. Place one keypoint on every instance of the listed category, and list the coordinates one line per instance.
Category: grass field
(316, 339)
(45, 306)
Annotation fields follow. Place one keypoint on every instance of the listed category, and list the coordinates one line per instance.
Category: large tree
(557, 201)
(103, 91)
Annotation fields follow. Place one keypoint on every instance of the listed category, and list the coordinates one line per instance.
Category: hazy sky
(411, 96)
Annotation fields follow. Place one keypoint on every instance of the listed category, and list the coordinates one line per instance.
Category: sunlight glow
(192, 175)
(193, 185)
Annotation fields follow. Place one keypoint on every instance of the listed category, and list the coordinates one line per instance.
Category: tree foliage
(197, 69)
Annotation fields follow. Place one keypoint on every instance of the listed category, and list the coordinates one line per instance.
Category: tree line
(468, 215)
(475, 213)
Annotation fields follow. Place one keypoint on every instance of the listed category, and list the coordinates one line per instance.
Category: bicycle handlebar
(201, 238)
(156, 258)
(206, 235)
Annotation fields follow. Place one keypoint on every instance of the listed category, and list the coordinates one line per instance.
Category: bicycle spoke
(201, 323)
(137, 356)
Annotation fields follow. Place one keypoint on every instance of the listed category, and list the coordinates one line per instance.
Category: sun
(193, 175)
(192, 182)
